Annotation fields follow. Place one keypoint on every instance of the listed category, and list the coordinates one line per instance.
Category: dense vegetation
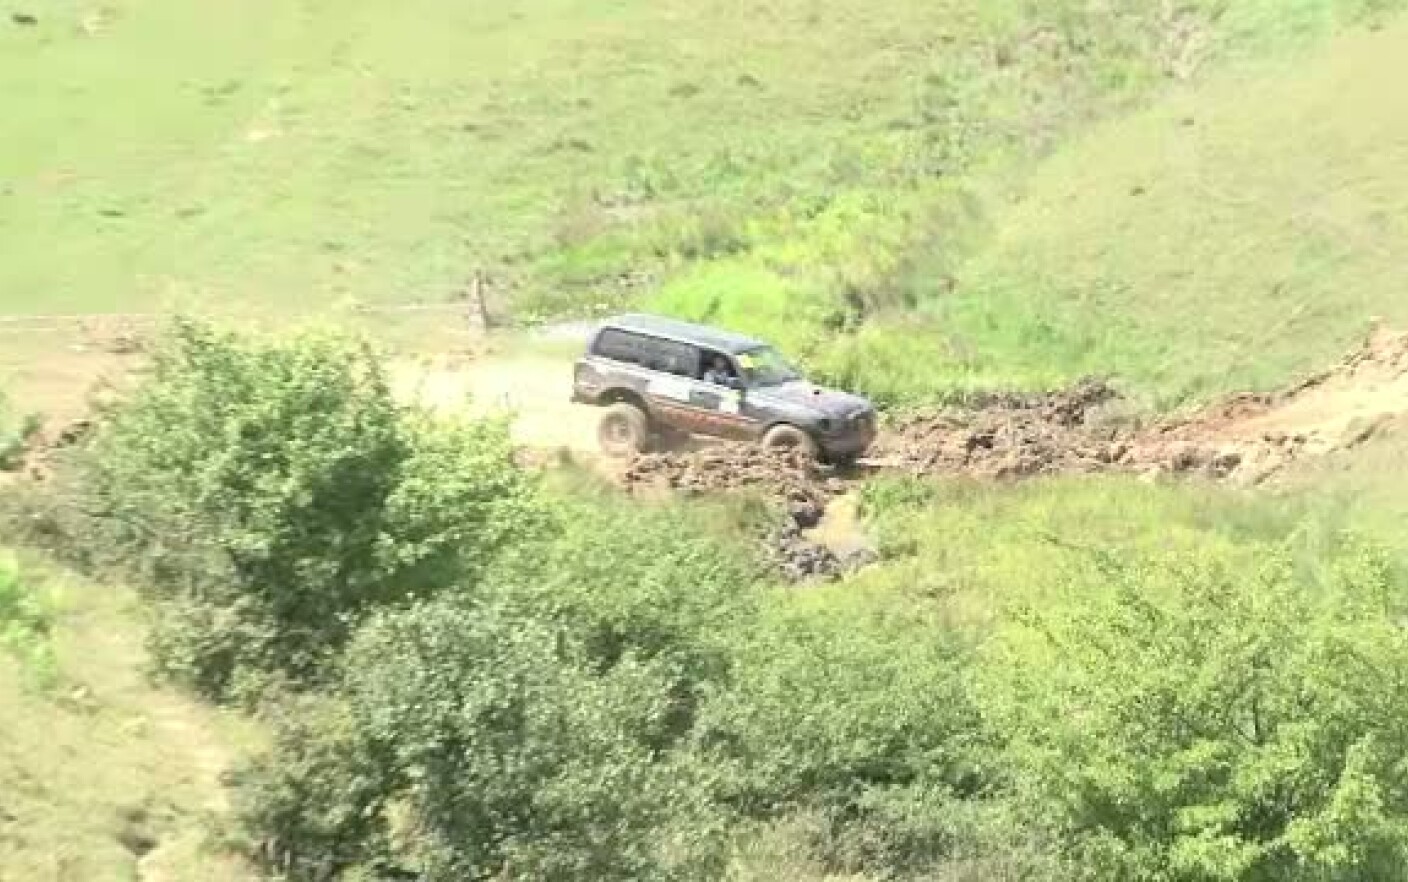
(1096, 679)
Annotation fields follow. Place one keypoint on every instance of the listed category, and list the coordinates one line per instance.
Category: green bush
(856, 713)
(476, 744)
(537, 726)
(15, 434)
(269, 493)
(26, 619)
(1218, 716)
(314, 803)
(654, 584)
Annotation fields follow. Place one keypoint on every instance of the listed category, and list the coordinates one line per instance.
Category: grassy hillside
(1224, 239)
(291, 154)
(585, 152)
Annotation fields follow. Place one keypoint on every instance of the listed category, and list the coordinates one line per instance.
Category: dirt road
(532, 389)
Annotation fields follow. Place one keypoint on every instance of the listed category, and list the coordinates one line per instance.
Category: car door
(718, 410)
(671, 370)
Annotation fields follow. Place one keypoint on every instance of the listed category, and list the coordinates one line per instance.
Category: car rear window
(647, 352)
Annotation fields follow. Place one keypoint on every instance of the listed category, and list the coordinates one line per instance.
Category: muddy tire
(623, 430)
(787, 437)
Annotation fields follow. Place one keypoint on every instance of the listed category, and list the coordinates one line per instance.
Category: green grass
(26, 620)
(99, 770)
(971, 551)
(1229, 237)
(274, 155)
(268, 156)
(781, 166)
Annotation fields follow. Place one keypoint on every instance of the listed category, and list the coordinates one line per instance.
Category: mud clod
(799, 560)
(802, 484)
(1009, 436)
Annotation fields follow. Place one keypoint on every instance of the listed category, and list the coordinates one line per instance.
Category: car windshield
(766, 367)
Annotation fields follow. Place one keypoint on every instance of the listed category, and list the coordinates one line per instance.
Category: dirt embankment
(1252, 438)
(1245, 438)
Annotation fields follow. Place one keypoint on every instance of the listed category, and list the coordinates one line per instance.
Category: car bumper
(850, 443)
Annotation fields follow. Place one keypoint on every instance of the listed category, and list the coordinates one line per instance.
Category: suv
(659, 378)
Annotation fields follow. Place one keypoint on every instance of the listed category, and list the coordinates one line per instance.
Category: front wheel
(787, 437)
(623, 431)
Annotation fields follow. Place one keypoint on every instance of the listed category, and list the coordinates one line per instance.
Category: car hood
(827, 402)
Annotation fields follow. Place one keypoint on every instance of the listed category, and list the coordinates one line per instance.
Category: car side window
(718, 369)
(676, 358)
(651, 353)
(618, 346)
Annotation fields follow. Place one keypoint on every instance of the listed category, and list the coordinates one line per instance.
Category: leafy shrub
(26, 619)
(271, 493)
(858, 715)
(536, 727)
(1218, 717)
(15, 435)
(474, 744)
(653, 584)
(314, 801)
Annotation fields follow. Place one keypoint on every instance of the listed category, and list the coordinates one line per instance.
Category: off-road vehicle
(660, 379)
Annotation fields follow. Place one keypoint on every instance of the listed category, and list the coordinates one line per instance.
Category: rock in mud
(799, 560)
(802, 484)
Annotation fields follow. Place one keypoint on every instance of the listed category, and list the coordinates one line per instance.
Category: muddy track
(1244, 439)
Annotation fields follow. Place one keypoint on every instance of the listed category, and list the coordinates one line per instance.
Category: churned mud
(1244, 438)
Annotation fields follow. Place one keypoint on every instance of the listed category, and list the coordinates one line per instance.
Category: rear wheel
(786, 437)
(623, 430)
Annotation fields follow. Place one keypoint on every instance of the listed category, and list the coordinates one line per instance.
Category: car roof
(683, 332)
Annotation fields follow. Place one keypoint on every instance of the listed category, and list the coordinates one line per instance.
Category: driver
(719, 372)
